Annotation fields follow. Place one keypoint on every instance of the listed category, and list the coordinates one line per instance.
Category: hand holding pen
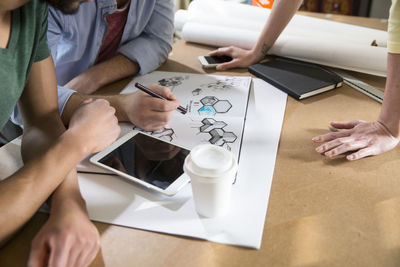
(154, 94)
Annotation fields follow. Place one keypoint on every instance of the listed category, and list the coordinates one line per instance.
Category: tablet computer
(146, 160)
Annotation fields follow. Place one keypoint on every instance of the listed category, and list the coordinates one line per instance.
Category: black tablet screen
(149, 159)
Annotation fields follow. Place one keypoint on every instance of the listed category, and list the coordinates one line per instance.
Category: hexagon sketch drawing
(222, 106)
(172, 81)
(218, 135)
(166, 134)
(197, 91)
(212, 106)
(207, 110)
(209, 100)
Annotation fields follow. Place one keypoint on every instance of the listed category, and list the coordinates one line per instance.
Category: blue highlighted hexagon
(207, 110)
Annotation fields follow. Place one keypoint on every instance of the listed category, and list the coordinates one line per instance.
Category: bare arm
(99, 75)
(49, 153)
(23, 193)
(282, 12)
(390, 113)
(139, 108)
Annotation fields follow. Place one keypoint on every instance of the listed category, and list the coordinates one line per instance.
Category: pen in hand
(154, 94)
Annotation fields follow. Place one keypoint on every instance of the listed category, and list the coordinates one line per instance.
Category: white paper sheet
(112, 200)
(216, 108)
(116, 201)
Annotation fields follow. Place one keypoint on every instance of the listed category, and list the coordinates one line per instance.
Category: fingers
(159, 105)
(346, 125)
(59, 251)
(332, 144)
(343, 146)
(336, 126)
(163, 91)
(85, 259)
(38, 254)
(330, 136)
(362, 153)
(87, 101)
(156, 104)
(74, 256)
(222, 51)
(228, 65)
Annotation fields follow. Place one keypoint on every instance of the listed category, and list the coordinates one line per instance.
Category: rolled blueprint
(218, 36)
(183, 16)
(224, 23)
(356, 57)
(222, 12)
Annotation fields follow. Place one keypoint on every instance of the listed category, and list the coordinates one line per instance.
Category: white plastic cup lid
(210, 160)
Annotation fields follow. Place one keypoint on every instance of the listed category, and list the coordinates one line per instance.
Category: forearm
(282, 12)
(38, 139)
(114, 69)
(23, 192)
(68, 195)
(390, 112)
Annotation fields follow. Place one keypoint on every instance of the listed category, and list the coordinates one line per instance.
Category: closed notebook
(297, 78)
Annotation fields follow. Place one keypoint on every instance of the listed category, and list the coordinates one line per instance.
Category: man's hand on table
(365, 138)
(68, 238)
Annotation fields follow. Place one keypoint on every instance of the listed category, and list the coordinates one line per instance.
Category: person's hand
(94, 125)
(366, 138)
(241, 58)
(147, 112)
(83, 83)
(68, 238)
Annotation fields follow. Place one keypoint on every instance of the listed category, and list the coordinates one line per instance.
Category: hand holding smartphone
(209, 62)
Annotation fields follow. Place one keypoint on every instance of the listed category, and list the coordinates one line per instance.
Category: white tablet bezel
(170, 190)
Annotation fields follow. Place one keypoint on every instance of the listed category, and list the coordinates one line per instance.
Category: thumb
(38, 255)
(87, 101)
(345, 125)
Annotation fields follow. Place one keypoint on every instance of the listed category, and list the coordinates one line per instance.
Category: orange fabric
(263, 3)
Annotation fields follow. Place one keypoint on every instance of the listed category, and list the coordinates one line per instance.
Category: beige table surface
(322, 212)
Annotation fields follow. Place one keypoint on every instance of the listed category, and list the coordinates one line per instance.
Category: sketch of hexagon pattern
(207, 110)
(222, 85)
(197, 91)
(222, 106)
(209, 100)
(210, 124)
(166, 134)
(172, 81)
(212, 106)
(215, 129)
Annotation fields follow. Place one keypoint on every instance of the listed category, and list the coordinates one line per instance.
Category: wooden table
(322, 212)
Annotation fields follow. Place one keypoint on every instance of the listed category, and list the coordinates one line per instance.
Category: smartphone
(212, 61)
(146, 160)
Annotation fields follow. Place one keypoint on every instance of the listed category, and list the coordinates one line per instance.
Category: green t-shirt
(27, 44)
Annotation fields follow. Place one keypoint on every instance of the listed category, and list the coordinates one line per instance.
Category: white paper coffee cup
(211, 170)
